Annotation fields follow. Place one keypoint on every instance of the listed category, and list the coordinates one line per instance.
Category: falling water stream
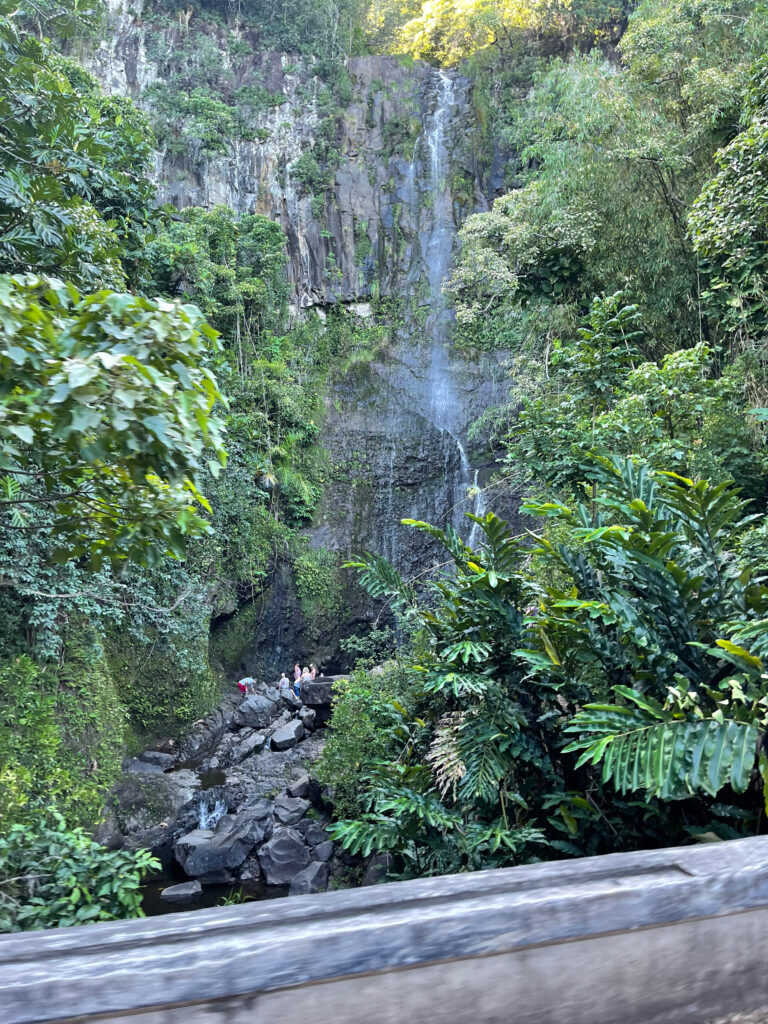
(437, 247)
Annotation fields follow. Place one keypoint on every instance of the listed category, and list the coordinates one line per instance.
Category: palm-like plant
(659, 600)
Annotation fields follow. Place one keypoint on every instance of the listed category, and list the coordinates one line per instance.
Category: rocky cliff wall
(402, 175)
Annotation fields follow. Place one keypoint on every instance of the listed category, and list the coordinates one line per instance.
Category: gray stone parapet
(658, 937)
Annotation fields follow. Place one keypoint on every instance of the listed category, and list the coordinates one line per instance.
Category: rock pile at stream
(236, 804)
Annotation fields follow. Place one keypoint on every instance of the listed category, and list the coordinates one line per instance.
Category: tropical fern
(444, 755)
(381, 580)
(643, 745)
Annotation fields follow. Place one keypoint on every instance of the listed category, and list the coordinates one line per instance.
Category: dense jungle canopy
(594, 681)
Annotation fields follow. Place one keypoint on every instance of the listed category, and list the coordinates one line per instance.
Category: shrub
(52, 878)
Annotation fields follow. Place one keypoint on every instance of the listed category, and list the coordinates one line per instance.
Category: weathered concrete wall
(662, 937)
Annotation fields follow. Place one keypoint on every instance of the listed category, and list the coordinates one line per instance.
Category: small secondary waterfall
(208, 816)
(437, 248)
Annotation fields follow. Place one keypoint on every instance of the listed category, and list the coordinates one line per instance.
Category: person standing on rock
(284, 684)
(296, 672)
(313, 670)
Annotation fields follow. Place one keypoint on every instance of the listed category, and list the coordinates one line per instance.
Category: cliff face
(402, 177)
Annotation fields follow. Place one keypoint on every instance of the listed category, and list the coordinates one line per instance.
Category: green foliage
(60, 735)
(86, 426)
(643, 599)
(52, 878)
(362, 715)
(660, 595)
(728, 222)
(596, 394)
(444, 31)
(369, 649)
(74, 195)
(611, 162)
(320, 588)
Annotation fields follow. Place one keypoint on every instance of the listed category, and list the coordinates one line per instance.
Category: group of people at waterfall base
(300, 675)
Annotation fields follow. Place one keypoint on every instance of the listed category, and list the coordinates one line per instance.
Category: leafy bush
(53, 878)
(648, 602)
(363, 712)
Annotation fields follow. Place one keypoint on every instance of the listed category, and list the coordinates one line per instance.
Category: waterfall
(208, 817)
(437, 247)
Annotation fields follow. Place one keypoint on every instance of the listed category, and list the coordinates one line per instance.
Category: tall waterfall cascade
(437, 248)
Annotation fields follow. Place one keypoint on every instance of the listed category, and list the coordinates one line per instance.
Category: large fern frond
(444, 755)
(643, 746)
(381, 580)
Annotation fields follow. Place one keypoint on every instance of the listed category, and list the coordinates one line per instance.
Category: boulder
(108, 834)
(288, 736)
(163, 761)
(250, 871)
(211, 853)
(300, 787)
(187, 847)
(283, 719)
(289, 700)
(323, 851)
(185, 892)
(314, 878)
(317, 692)
(258, 816)
(290, 809)
(244, 745)
(136, 767)
(256, 711)
(315, 834)
(376, 868)
(283, 857)
(308, 718)
(205, 735)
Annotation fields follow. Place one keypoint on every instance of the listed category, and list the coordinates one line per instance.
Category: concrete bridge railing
(661, 937)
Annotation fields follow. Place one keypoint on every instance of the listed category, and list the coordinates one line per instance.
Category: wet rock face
(144, 801)
(204, 736)
(211, 854)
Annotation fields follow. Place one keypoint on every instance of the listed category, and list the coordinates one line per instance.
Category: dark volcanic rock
(376, 868)
(300, 787)
(289, 700)
(137, 767)
(283, 857)
(185, 892)
(315, 834)
(314, 878)
(289, 809)
(155, 757)
(256, 711)
(204, 736)
(288, 736)
(143, 801)
(308, 718)
(236, 747)
(317, 693)
(323, 851)
(205, 853)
